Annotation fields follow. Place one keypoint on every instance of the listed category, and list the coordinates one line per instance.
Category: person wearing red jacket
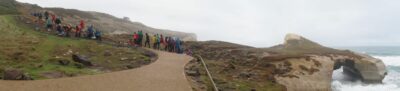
(82, 24)
(162, 41)
(53, 17)
(136, 38)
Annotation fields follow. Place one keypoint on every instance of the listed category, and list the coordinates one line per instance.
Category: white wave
(390, 83)
(390, 60)
(357, 86)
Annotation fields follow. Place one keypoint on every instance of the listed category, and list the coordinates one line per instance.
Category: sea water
(389, 55)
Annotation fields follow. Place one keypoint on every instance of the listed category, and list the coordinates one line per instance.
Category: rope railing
(208, 73)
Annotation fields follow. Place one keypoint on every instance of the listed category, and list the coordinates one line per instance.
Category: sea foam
(390, 83)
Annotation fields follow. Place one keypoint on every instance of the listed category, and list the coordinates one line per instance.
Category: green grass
(23, 48)
(8, 7)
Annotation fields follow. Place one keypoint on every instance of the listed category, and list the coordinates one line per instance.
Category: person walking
(147, 42)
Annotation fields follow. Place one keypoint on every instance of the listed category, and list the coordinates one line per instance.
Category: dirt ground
(166, 74)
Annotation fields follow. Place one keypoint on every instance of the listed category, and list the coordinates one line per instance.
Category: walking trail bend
(165, 74)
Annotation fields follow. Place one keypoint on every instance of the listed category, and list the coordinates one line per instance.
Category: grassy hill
(107, 23)
(39, 54)
(8, 7)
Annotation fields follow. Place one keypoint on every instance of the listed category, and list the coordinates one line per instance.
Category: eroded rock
(15, 74)
(82, 59)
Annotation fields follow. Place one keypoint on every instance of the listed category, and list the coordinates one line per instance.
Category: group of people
(53, 22)
(157, 41)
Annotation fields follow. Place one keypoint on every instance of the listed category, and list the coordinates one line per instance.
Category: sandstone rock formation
(325, 60)
(296, 65)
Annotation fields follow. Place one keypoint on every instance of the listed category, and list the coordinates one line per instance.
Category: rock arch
(366, 69)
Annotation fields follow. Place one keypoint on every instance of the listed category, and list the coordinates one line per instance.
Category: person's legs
(155, 45)
(140, 42)
(158, 45)
(147, 43)
(165, 47)
(98, 37)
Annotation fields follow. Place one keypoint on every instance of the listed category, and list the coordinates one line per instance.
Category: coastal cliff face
(296, 65)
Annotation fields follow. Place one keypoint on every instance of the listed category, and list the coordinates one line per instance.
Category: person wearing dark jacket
(90, 32)
(46, 15)
(98, 35)
(147, 42)
(58, 21)
(60, 30)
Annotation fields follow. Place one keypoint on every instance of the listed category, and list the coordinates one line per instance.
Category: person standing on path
(60, 30)
(178, 45)
(135, 39)
(147, 43)
(53, 17)
(78, 31)
(154, 41)
(162, 41)
(58, 20)
(90, 32)
(49, 25)
(67, 30)
(166, 43)
(158, 42)
(46, 15)
(140, 33)
(82, 25)
(98, 35)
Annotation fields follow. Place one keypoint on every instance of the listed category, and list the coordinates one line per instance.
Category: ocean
(389, 55)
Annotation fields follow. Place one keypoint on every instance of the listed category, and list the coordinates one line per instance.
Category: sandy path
(165, 74)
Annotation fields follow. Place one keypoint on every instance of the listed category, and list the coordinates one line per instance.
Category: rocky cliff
(320, 62)
(296, 65)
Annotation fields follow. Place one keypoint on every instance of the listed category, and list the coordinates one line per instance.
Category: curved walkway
(165, 74)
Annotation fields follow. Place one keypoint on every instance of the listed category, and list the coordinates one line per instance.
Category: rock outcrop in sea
(326, 60)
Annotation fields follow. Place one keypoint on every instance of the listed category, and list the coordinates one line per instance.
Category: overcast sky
(260, 23)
